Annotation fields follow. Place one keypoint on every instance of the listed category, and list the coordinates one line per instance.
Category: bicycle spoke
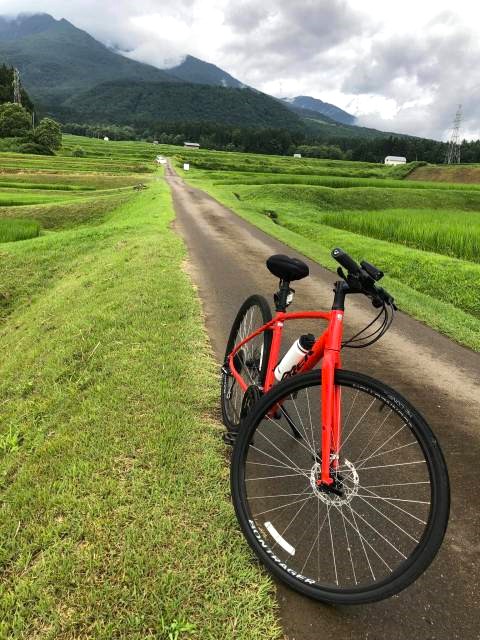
(289, 504)
(348, 545)
(277, 460)
(311, 444)
(333, 548)
(280, 451)
(356, 425)
(396, 506)
(310, 417)
(378, 533)
(375, 433)
(383, 453)
(387, 518)
(290, 435)
(287, 475)
(382, 445)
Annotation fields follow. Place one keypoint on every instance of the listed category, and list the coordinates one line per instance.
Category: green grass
(16, 229)
(116, 519)
(330, 180)
(83, 181)
(450, 233)
(426, 240)
(67, 214)
(306, 197)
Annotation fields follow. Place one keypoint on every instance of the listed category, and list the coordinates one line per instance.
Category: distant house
(395, 160)
(106, 138)
(297, 155)
(155, 142)
(191, 145)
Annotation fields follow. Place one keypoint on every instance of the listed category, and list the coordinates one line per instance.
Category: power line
(453, 151)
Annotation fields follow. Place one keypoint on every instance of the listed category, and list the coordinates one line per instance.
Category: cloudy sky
(402, 66)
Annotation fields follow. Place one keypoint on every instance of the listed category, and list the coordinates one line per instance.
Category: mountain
(320, 107)
(200, 72)
(141, 103)
(70, 75)
(57, 60)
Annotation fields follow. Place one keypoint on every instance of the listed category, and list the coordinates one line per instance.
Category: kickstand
(291, 424)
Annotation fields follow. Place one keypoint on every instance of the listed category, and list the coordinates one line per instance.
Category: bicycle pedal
(229, 438)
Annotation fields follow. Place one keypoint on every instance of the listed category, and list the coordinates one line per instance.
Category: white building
(191, 145)
(297, 155)
(395, 160)
(106, 138)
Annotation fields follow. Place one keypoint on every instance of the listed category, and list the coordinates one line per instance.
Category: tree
(49, 134)
(14, 120)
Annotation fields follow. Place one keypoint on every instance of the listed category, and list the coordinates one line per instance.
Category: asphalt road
(441, 378)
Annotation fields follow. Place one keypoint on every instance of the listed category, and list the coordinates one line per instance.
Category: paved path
(227, 258)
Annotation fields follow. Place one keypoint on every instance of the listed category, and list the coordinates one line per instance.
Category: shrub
(14, 120)
(49, 134)
(35, 148)
(79, 152)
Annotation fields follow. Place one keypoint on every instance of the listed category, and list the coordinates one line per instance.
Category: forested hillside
(142, 103)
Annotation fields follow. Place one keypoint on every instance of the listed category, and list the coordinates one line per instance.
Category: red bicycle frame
(326, 348)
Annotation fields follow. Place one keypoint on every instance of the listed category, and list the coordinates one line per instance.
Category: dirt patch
(462, 174)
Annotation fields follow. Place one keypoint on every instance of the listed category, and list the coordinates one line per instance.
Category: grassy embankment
(425, 236)
(115, 521)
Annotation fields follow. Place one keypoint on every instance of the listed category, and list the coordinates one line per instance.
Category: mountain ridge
(198, 71)
(324, 108)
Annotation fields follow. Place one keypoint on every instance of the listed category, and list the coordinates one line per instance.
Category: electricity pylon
(453, 151)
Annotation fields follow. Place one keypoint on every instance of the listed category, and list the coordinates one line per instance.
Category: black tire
(269, 464)
(253, 313)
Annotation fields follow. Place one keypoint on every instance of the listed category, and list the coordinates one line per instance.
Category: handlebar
(362, 278)
(346, 261)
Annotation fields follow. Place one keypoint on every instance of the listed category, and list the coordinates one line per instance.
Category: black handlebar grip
(372, 270)
(346, 261)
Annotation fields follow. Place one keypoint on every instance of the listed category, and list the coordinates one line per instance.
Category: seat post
(281, 296)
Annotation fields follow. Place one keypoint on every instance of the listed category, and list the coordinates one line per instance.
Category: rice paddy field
(113, 525)
(424, 233)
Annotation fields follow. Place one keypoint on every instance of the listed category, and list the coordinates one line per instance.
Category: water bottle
(297, 352)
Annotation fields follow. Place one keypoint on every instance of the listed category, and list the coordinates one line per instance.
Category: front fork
(331, 401)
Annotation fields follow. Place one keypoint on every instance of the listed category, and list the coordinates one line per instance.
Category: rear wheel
(387, 522)
(251, 361)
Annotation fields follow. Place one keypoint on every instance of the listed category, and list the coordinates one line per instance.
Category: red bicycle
(338, 483)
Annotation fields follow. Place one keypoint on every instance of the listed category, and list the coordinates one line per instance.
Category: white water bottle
(297, 352)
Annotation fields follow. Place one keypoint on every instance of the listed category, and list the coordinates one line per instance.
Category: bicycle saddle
(287, 268)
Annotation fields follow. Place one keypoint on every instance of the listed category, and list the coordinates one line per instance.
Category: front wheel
(386, 524)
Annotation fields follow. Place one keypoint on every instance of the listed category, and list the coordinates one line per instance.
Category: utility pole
(453, 151)
(17, 97)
